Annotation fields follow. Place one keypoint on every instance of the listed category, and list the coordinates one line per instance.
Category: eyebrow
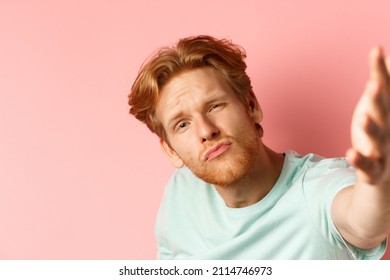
(173, 119)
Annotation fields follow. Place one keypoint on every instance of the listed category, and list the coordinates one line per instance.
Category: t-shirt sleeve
(163, 251)
(321, 183)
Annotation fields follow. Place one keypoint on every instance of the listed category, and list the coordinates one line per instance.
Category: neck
(257, 184)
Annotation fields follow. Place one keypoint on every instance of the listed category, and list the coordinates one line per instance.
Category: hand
(370, 131)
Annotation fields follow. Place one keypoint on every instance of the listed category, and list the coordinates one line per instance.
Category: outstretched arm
(362, 212)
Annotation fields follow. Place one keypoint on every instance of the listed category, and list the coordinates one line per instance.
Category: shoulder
(317, 161)
(321, 178)
(183, 180)
(185, 189)
(185, 199)
(329, 171)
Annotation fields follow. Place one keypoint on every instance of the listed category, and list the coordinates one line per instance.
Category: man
(232, 197)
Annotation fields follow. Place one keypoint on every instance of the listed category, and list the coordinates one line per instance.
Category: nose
(207, 129)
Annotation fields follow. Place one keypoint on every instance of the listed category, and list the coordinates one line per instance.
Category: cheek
(185, 147)
(241, 123)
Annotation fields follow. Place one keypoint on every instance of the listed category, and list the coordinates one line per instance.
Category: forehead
(193, 83)
(192, 87)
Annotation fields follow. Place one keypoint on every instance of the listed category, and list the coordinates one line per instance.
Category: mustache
(243, 139)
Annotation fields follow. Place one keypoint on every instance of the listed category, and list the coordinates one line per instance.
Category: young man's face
(209, 130)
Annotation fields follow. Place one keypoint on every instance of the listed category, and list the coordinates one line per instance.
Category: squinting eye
(214, 107)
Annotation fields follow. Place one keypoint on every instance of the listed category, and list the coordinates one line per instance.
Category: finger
(368, 169)
(378, 105)
(388, 65)
(387, 62)
(378, 68)
(377, 138)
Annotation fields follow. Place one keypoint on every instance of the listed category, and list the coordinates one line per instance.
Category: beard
(228, 169)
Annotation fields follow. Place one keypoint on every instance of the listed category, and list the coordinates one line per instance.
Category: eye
(215, 107)
(182, 126)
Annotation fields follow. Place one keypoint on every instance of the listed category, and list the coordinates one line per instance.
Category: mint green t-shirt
(292, 222)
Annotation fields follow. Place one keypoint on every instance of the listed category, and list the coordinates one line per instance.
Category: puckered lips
(217, 150)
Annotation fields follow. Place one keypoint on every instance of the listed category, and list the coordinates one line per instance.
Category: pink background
(80, 178)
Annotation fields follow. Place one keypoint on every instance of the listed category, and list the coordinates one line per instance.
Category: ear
(254, 110)
(172, 155)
